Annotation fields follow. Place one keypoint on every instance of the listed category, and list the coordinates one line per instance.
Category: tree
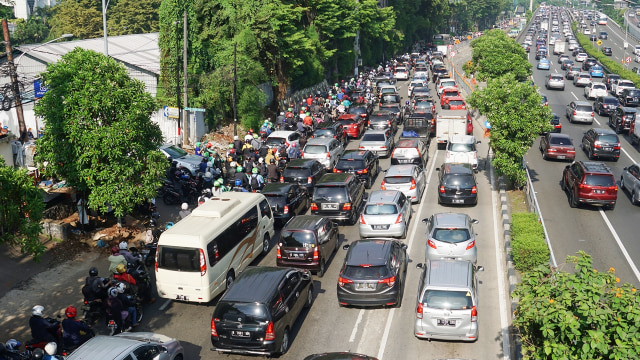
(133, 17)
(21, 208)
(584, 314)
(516, 117)
(82, 18)
(495, 55)
(99, 136)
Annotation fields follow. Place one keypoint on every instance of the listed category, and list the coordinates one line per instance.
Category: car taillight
(346, 206)
(278, 253)
(574, 113)
(313, 206)
(301, 153)
(431, 244)
(342, 281)
(593, 114)
(442, 189)
(597, 145)
(285, 210)
(616, 147)
(382, 186)
(309, 180)
(316, 253)
(363, 115)
(390, 281)
(156, 264)
(336, 170)
(214, 332)
(474, 314)
(203, 263)
(419, 311)
(360, 147)
(281, 179)
(471, 245)
(363, 171)
(474, 190)
(328, 155)
(270, 334)
(614, 188)
(413, 184)
(362, 220)
(399, 219)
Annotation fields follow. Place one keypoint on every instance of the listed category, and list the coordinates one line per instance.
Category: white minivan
(462, 149)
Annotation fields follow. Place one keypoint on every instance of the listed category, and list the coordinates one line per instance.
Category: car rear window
(397, 179)
(356, 164)
(447, 300)
(405, 152)
(330, 193)
(323, 132)
(380, 209)
(456, 102)
(241, 313)
(452, 235)
(463, 181)
(559, 141)
(366, 272)
(297, 238)
(599, 86)
(373, 137)
(276, 200)
(315, 149)
(584, 108)
(273, 141)
(179, 259)
(457, 147)
(634, 93)
(448, 83)
(611, 101)
(296, 172)
(599, 180)
(347, 121)
(608, 138)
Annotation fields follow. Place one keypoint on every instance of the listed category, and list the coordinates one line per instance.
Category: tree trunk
(282, 80)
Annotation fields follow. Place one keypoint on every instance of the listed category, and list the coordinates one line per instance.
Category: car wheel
(320, 272)
(265, 244)
(399, 299)
(309, 301)
(284, 345)
(404, 233)
(573, 201)
(230, 279)
(622, 183)
(635, 200)
(590, 154)
(611, 207)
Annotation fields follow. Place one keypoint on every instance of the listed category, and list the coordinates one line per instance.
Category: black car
(588, 63)
(363, 163)
(593, 37)
(598, 143)
(603, 35)
(457, 184)
(382, 120)
(305, 172)
(338, 196)
(622, 118)
(630, 97)
(360, 110)
(607, 51)
(255, 315)
(555, 124)
(286, 200)
(373, 273)
(567, 64)
(605, 105)
(576, 51)
(609, 79)
(331, 129)
(395, 109)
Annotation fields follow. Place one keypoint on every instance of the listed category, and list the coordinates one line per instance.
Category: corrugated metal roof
(140, 50)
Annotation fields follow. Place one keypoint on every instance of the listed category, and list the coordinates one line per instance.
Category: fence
(300, 95)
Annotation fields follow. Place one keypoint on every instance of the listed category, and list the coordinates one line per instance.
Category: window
(146, 352)
(179, 259)
(265, 210)
(231, 236)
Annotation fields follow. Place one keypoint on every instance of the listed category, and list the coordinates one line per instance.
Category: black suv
(256, 314)
(381, 120)
(609, 79)
(457, 185)
(588, 182)
(360, 110)
(286, 200)
(630, 97)
(597, 142)
(339, 197)
(331, 129)
(588, 63)
(305, 172)
(621, 118)
(606, 105)
(363, 163)
(607, 51)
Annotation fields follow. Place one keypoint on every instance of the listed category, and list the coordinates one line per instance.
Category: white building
(23, 9)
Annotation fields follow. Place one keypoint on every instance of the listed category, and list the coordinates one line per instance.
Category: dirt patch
(517, 201)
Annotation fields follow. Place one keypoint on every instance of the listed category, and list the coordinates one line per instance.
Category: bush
(528, 246)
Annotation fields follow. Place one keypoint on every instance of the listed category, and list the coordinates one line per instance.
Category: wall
(5, 150)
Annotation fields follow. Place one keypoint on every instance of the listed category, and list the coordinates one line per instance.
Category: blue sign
(165, 111)
(39, 89)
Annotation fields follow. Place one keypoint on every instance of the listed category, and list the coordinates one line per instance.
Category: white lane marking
(620, 245)
(352, 338)
(626, 153)
(596, 120)
(165, 305)
(574, 95)
(502, 297)
(416, 219)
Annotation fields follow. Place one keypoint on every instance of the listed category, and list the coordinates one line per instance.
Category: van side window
(265, 210)
(213, 252)
(231, 236)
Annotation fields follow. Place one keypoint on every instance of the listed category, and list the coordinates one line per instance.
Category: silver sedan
(386, 213)
(630, 181)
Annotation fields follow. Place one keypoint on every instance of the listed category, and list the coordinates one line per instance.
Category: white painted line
(352, 338)
(165, 305)
(574, 95)
(620, 245)
(626, 153)
(596, 120)
(500, 261)
(416, 220)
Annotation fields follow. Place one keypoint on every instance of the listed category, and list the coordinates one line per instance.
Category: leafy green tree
(6, 12)
(82, 18)
(516, 117)
(584, 314)
(133, 17)
(99, 137)
(495, 55)
(21, 208)
(31, 31)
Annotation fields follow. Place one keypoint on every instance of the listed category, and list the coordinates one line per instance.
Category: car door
(419, 175)
(324, 239)
(295, 293)
(587, 140)
(294, 201)
(405, 207)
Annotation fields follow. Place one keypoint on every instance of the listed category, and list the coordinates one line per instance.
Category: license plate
(380, 227)
(404, 161)
(296, 256)
(446, 322)
(598, 191)
(561, 157)
(182, 297)
(607, 149)
(364, 286)
(458, 201)
(329, 206)
(240, 333)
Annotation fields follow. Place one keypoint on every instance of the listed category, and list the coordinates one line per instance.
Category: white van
(201, 255)
(462, 149)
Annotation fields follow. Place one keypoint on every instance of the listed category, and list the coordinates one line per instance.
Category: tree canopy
(495, 55)
(98, 134)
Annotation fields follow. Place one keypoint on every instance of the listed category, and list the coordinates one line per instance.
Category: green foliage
(6, 12)
(82, 18)
(529, 248)
(516, 117)
(21, 208)
(99, 137)
(495, 55)
(133, 17)
(584, 314)
(33, 30)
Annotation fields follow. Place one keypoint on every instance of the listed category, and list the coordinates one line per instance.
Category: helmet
(235, 137)
(93, 271)
(282, 113)
(37, 310)
(272, 161)
(294, 144)
(239, 169)
(282, 142)
(120, 287)
(407, 102)
(184, 206)
(290, 109)
(113, 292)
(51, 348)
(169, 225)
(261, 160)
(120, 268)
(198, 144)
(38, 354)
(115, 250)
(208, 175)
(238, 182)
(71, 312)
(255, 136)
(233, 164)
(123, 245)
(13, 344)
(209, 144)
(217, 182)
(254, 170)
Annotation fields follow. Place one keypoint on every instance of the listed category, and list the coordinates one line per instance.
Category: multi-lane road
(611, 237)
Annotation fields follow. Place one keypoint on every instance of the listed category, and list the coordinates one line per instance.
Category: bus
(200, 256)
(441, 39)
(602, 20)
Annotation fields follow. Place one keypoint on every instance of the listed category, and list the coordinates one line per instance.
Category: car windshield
(273, 141)
(462, 181)
(609, 138)
(373, 137)
(457, 147)
(182, 259)
(366, 272)
(175, 152)
(315, 149)
(557, 140)
(241, 313)
(355, 164)
(330, 193)
(447, 299)
(451, 235)
(600, 180)
(380, 209)
(397, 179)
(296, 172)
(297, 238)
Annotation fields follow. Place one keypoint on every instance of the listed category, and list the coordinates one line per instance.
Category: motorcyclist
(42, 330)
(115, 309)
(184, 212)
(242, 177)
(124, 251)
(122, 275)
(256, 144)
(218, 188)
(256, 180)
(74, 332)
(116, 258)
(293, 152)
(237, 144)
(273, 173)
(95, 286)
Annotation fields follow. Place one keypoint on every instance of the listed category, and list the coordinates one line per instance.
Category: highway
(609, 236)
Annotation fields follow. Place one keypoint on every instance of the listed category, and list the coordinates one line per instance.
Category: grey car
(555, 81)
(582, 79)
(630, 181)
(580, 111)
(451, 236)
(379, 142)
(327, 151)
(127, 346)
(409, 179)
(386, 213)
(183, 158)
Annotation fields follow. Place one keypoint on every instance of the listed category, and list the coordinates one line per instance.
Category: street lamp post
(105, 5)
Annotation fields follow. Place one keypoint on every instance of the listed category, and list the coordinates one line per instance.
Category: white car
(587, 31)
(462, 149)
(580, 57)
(415, 83)
(596, 89)
(445, 83)
(636, 50)
(401, 73)
(620, 85)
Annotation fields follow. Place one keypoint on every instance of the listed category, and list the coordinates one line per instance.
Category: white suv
(462, 149)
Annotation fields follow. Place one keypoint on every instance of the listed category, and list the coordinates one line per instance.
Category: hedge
(528, 246)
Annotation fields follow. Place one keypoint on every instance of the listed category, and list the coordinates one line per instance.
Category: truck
(558, 48)
(443, 49)
(634, 133)
(544, 25)
(450, 123)
(418, 125)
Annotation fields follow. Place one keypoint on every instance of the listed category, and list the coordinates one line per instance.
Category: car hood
(191, 159)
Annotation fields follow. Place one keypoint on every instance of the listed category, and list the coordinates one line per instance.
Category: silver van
(326, 150)
(447, 303)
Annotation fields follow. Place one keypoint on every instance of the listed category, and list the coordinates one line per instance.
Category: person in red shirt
(310, 100)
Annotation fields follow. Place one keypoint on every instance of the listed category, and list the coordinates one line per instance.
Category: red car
(447, 93)
(557, 146)
(353, 124)
(454, 103)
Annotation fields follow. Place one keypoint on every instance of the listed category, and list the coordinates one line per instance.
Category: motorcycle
(69, 348)
(56, 331)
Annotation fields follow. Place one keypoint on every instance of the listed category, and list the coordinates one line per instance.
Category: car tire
(635, 200)
(309, 301)
(544, 155)
(323, 268)
(284, 344)
(369, 183)
(590, 154)
(265, 244)
(404, 233)
(611, 207)
(573, 201)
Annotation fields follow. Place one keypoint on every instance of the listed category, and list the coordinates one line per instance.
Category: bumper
(586, 120)
(394, 230)
(607, 111)
(268, 348)
(470, 334)
(607, 154)
(335, 215)
(557, 156)
(458, 200)
(598, 202)
(306, 264)
(367, 299)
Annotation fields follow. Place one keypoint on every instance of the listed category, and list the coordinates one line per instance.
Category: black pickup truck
(419, 124)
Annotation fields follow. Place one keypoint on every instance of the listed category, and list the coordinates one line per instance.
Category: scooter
(56, 331)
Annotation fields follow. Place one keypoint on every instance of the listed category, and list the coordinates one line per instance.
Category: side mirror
(306, 276)
(478, 142)
(345, 247)
(425, 220)
(479, 268)
(419, 266)
(403, 246)
(475, 221)
(437, 169)
(365, 196)
(624, 168)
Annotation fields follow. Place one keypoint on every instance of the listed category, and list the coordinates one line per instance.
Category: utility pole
(104, 27)
(15, 84)
(178, 77)
(235, 80)
(185, 116)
